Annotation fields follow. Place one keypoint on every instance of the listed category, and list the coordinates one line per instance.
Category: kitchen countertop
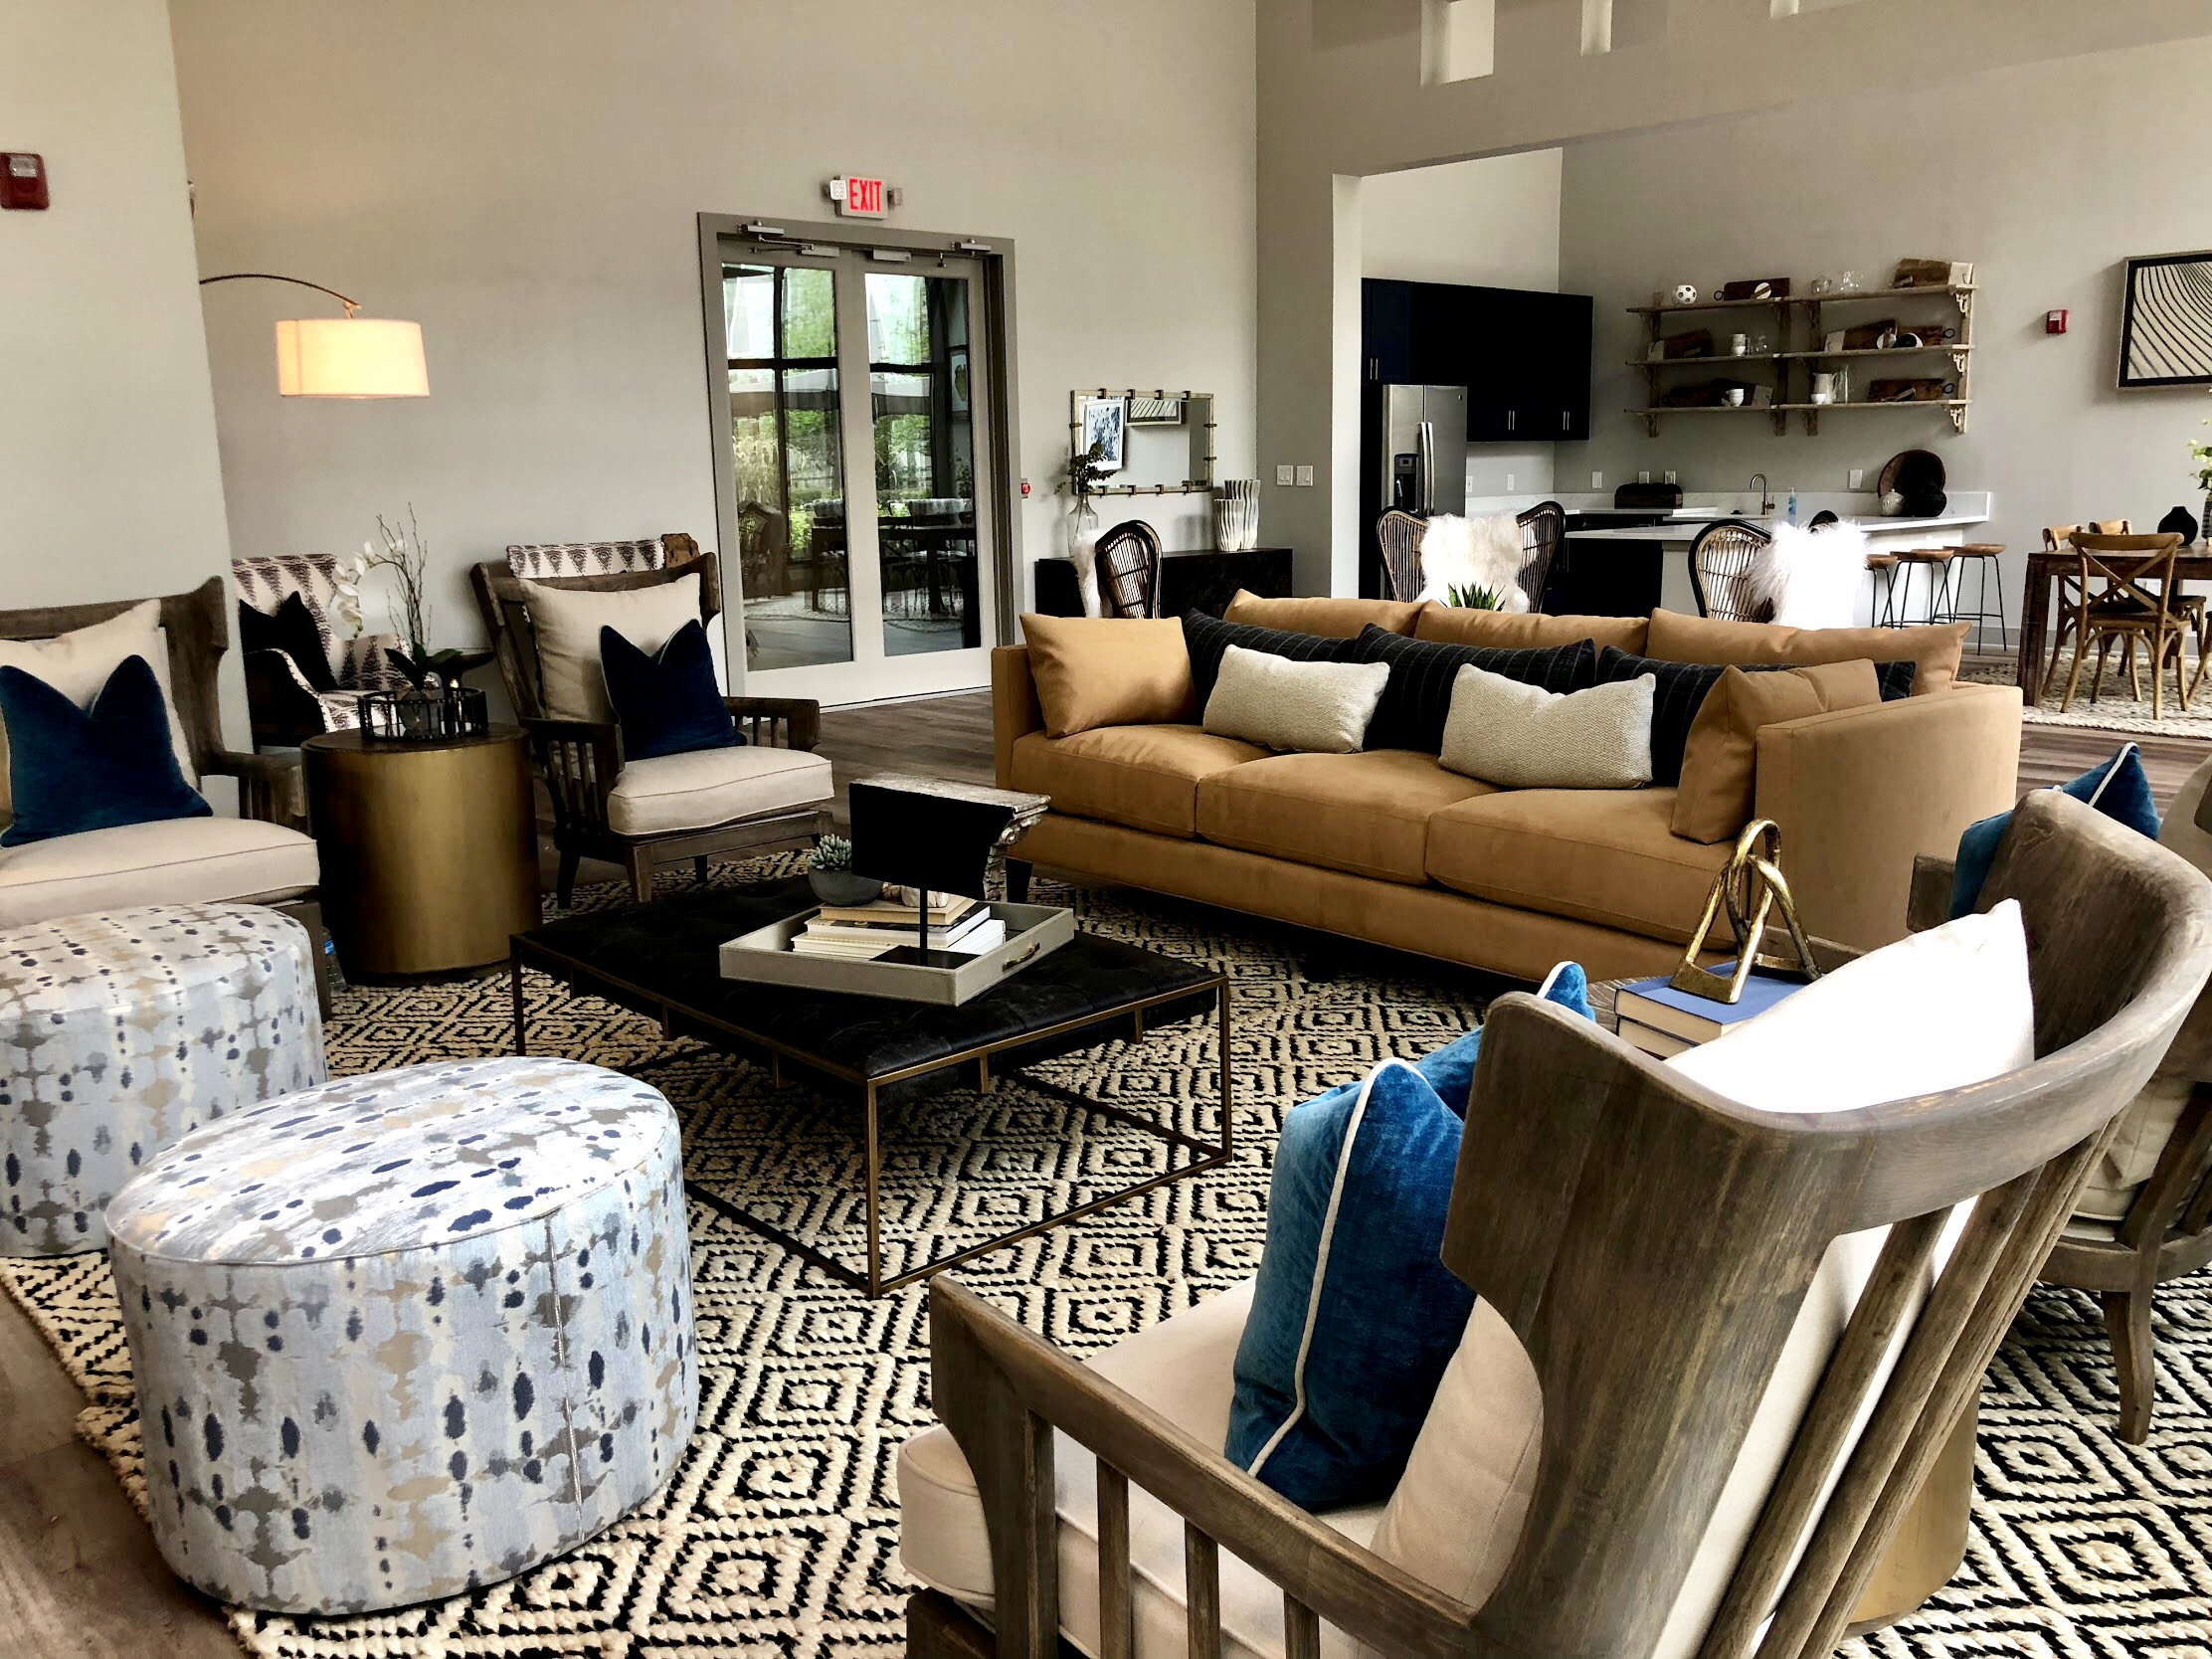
(1687, 523)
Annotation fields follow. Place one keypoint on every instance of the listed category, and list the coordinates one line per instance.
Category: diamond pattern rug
(779, 1534)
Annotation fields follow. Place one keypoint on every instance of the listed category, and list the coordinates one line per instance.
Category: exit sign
(858, 197)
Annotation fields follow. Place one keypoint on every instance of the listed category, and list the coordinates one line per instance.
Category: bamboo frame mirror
(1137, 429)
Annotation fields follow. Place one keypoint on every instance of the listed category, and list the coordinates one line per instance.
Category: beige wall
(523, 177)
(1341, 96)
(108, 483)
(2046, 176)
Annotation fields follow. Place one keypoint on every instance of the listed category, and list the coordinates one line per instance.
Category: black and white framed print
(2165, 336)
(1105, 427)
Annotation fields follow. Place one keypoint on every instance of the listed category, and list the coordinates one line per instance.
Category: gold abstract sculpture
(1748, 887)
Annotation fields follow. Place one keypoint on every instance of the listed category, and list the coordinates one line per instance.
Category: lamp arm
(351, 305)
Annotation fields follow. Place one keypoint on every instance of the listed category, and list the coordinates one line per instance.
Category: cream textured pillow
(1316, 708)
(1525, 737)
(78, 665)
(567, 620)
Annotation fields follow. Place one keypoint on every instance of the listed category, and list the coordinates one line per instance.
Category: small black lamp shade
(934, 835)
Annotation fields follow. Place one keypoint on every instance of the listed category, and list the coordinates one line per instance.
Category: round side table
(429, 850)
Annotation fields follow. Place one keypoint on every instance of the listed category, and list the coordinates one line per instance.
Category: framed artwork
(2165, 333)
(1156, 412)
(1105, 424)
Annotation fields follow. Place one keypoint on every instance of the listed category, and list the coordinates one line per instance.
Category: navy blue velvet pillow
(2118, 788)
(72, 770)
(667, 703)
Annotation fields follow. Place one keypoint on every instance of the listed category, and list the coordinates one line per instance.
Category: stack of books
(862, 932)
(1662, 1020)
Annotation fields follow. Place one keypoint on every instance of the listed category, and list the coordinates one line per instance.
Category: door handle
(1427, 492)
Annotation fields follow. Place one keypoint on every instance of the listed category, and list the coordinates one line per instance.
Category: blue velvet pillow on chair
(2118, 788)
(667, 703)
(71, 769)
(1355, 1315)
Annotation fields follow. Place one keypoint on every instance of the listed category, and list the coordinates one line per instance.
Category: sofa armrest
(1014, 709)
(1861, 793)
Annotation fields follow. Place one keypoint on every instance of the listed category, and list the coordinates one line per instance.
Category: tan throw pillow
(77, 663)
(1719, 762)
(1523, 737)
(566, 623)
(1308, 708)
(1934, 651)
(1095, 671)
(1331, 618)
(1455, 625)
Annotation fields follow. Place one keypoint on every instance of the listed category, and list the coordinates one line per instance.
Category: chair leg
(699, 869)
(641, 874)
(564, 878)
(2073, 677)
(2127, 1319)
(2128, 661)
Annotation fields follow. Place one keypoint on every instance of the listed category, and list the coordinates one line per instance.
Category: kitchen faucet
(1766, 496)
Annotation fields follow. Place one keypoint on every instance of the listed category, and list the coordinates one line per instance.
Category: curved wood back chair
(1721, 563)
(1543, 530)
(1401, 534)
(1128, 563)
(1651, 1244)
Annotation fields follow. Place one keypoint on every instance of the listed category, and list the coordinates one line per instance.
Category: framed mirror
(1153, 442)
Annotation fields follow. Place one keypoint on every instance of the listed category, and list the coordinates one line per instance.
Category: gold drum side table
(429, 850)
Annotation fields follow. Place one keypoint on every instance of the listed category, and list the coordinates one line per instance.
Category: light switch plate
(1509, 483)
(1283, 474)
(1304, 477)
(1671, 479)
(1597, 480)
(1858, 477)
(1644, 476)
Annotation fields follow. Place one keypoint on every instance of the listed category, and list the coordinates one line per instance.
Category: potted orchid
(402, 550)
(2201, 454)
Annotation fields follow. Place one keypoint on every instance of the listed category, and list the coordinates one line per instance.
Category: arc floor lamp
(352, 356)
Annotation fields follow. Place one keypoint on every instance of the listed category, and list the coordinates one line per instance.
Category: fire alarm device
(22, 180)
(2054, 322)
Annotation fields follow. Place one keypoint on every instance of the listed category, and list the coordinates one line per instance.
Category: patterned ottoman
(121, 1032)
(408, 1334)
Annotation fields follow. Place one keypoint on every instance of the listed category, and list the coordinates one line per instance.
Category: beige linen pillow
(566, 622)
(1719, 762)
(1314, 708)
(1108, 671)
(77, 663)
(1525, 737)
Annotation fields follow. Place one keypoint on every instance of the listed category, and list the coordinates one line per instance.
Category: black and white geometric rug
(779, 1534)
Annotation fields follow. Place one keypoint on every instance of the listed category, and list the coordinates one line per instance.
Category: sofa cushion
(1418, 700)
(1366, 813)
(1935, 650)
(1455, 625)
(565, 624)
(183, 861)
(1332, 618)
(1607, 857)
(2119, 788)
(1182, 1369)
(1144, 777)
(1720, 758)
(1206, 639)
(72, 770)
(1311, 707)
(702, 787)
(77, 663)
(1095, 671)
(666, 701)
(1523, 737)
(1683, 687)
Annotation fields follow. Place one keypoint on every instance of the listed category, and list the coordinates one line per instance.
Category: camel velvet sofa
(1388, 846)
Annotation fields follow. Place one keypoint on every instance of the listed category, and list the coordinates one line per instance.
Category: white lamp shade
(350, 357)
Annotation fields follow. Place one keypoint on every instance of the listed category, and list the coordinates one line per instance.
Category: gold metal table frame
(679, 1021)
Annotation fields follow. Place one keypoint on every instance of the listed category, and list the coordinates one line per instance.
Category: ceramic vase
(1236, 515)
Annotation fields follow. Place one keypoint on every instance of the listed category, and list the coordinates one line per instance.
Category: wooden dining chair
(1400, 536)
(1127, 559)
(2058, 539)
(1721, 563)
(2125, 585)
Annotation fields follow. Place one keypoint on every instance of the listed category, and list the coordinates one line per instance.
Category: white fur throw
(1473, 553)
(1812, 577)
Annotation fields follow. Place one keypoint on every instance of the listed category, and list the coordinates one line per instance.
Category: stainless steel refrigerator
(1416, 442)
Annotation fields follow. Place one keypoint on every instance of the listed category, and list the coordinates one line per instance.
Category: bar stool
(1936, 602)
(1882, 568)
(1983, 557)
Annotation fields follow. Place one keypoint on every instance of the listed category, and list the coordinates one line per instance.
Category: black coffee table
(664, 960)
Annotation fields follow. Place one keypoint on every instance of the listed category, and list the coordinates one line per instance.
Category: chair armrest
(579, 761)
(798, 719)
(1927, 904)
(1014, 709)
(1859, 793)
(1001, 1391)
(271, 787)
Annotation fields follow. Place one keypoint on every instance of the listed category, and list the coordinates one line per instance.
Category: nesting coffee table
(664, 960)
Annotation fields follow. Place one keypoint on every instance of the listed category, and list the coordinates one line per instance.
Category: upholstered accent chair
(259, 856)
(538, 560)
(1649, 1244)
(281, 695)
(770, 792)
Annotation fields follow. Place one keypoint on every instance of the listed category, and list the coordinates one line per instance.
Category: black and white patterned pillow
(1208, 640)
(1682, 691)
(1418, 700)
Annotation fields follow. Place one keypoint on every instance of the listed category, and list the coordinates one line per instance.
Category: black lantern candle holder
(440, 717)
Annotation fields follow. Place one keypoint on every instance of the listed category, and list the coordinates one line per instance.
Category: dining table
(2045, 568)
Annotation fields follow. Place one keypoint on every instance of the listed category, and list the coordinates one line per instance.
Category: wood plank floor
(79, 1574)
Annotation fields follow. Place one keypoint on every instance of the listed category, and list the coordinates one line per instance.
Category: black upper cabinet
(1524, 357)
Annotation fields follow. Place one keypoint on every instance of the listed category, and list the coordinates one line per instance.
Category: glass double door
(863, 521)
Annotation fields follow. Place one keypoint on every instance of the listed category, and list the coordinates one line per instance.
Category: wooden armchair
(280, 698)
(1128, 564)
(732, 801)
(1721, 563)
(1543, 531)
(1650, 1244)
(262, 857)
